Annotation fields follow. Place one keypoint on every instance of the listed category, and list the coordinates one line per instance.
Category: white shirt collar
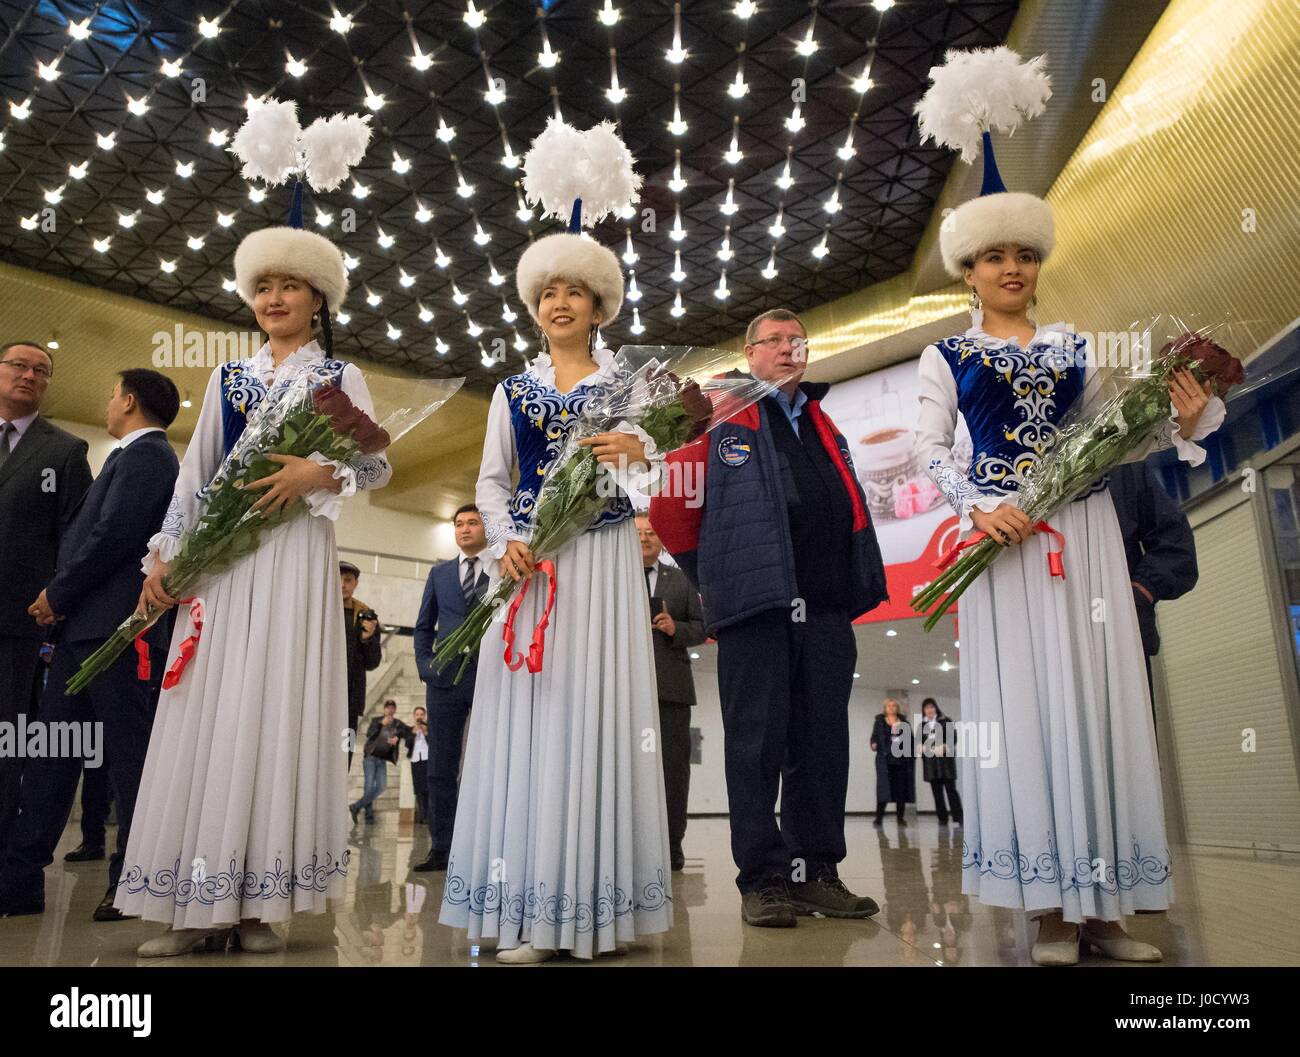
(136, 434)
(21, 425)
(1044, 332)
(543, 370)
(264, 365)
(486, 563)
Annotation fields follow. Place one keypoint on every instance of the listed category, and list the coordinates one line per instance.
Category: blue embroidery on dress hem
(208, 889)
(534, 904)
(1007, 864)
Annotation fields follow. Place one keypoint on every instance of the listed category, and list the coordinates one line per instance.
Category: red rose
(1213, 363)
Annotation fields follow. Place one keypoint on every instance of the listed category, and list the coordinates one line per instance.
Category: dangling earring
(315, 320)
(975, 303)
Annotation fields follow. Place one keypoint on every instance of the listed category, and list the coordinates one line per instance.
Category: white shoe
(259, 938)
(183, 941)
(1058, 952)
(1123, 948)
(524, 954)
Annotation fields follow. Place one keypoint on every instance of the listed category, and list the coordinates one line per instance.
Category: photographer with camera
(361, 636)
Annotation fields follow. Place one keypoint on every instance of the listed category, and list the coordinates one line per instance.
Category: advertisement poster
(877, 413)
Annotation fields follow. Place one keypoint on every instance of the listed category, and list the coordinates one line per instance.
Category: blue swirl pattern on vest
(242, 390)
(1012, 400)
(542, 418)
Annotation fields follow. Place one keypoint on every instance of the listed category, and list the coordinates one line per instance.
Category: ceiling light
(21, 111)
(496, 278)
(400, 165)
(547, 58)
(50, 71)
(734, 155)
(916, 682)
(608, 14)
(340, 23)
(442, 347)
(55, 196)
(373, 299)
(156, 196)
(637, 327)
(185, 169)
(633, 292)
(745, 8)
(832, 204)
(891, 633)
(295, 67)
(738, 88)
(218, 137)
(30, 223)
(350, 262)
(226, 219)
(323, 219)
(458, 295)
(510, 159)
(423, 214)
(846, 152)
(106, 142)
(520, 344)
(209, 27)
(445, 132)
(807, 46)
(629, 254)
(785, 181)
(862, 83)
(139, 107)
(722, 293)
(79, 30)
(229, 286)
(677, 126)
(776, 229)
(194, 242)
(441, 260)
(374, 101)
(882, 5)
(127, 220)
(463, 189)
(770, 271)
(166, 265)
(677, 184)
(171, 68)
(407, 281)
(359, 190)
(473, 329)
(473, 17)
(678, 232)
(494, 95)
(426, 315)
(481, 237)
(421, 61)
(724, 251)
(677, 310)
(393, 332)
(507, 313)
(101, 245)
(678, 274)
(729, 207)
(795, 121)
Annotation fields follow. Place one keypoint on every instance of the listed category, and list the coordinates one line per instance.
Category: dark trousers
(785, 687)
(19, 658)
(939, 788)
(675, 747)
(121, 704)
(95, 800)
(448, 709)
(420, 783)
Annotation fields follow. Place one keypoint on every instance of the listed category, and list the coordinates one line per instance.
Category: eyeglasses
(776, 340)
(19, 367)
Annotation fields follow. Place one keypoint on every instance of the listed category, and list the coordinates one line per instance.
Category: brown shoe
(827, 895)
(768, 907)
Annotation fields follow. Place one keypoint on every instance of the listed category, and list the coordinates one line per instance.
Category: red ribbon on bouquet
(1055, 565)
(187, 647)
(143, 669)
(537, 647)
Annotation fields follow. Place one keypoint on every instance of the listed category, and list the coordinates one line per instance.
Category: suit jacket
(98, 580)
(41, 484)
(672, 656)
(362, 657)
(1158, 543)
(442, 611)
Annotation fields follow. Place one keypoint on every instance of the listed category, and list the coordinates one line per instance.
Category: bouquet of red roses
(1119, 411)
(308, 415)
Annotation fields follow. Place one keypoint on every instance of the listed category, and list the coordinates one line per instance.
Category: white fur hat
(993, 220)
(291, 251)
(576, 258)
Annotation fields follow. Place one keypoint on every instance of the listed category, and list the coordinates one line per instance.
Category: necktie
(648, 589)
(5, 429)
(467, 584)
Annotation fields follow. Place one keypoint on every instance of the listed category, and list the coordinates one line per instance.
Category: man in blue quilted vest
(766, 516)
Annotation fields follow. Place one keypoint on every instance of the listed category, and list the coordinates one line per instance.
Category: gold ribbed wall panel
(1204, 124)
(1150, 208)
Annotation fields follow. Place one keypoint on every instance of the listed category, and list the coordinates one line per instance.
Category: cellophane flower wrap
(671, 393)
(304, 415)
(1123, 405)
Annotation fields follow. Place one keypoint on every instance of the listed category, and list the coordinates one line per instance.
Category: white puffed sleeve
(648, 481)
(495, 485)
(1166, 435)
(363, 471)
(203, 458)
(936, 429)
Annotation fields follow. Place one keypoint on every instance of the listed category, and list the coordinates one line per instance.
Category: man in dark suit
(453, 587)
(97, 584)
(361, 638)
(43, 475)
(677, 620)
(1158, 544)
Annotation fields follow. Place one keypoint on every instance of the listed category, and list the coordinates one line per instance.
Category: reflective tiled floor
(1231, 909)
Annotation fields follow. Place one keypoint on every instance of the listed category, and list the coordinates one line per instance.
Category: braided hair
(326, 329)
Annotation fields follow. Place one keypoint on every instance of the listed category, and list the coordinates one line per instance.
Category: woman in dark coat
(891, 741)
(938, 763)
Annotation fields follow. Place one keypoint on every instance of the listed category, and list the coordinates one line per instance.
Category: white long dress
(1063, 807)
(242, 805)
(561, 837)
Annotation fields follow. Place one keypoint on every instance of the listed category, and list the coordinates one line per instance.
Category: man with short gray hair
(785, 557)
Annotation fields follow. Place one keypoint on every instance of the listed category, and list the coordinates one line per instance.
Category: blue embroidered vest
(1012, 400)
(242, 390)
(542, 418)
